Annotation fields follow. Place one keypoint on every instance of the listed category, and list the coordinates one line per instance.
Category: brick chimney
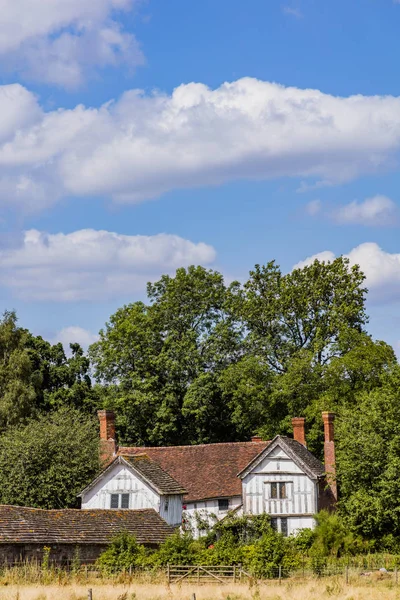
(299, 432)
(108, 445)
(256, 438)
(329, 451)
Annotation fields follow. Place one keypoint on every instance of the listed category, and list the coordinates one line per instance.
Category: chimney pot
(299, 432)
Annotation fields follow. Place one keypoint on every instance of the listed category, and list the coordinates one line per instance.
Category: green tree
(368, 457)
(161, 362)
(45, 463)
(36, 376)
(309, 309)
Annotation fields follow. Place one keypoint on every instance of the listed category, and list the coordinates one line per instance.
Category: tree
(309, 309)
(47, 462)
(161, 362)
(368, 457)
(37, 377)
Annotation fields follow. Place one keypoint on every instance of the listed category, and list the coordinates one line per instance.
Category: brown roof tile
(152, 472)
(206, 470)
(21, 525)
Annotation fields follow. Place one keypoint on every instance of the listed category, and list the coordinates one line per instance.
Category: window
(274, 524)
(166, 505)
(284, 529)
(119, 501)
(124, 500)
(223, 504)
(278, 491)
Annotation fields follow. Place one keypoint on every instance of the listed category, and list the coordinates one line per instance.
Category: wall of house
(120, 480)
(201, 515)
(301, 502)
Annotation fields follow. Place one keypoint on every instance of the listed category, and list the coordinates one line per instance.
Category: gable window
(166, 505)
(223, 504)
(119, 501)
(278, 490)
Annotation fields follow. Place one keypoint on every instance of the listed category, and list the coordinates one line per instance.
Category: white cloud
(141, 146)
(378, 210)
(57, 41)
(75, 334)
(382, 269)
(89, 264)
(325, 256)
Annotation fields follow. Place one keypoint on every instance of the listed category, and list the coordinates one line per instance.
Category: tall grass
(312, 589)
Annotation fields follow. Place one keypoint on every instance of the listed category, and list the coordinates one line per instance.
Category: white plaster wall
(301, 491)
(207, 511)
(120, 480)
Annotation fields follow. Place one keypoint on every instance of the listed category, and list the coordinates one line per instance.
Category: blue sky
(137, 136)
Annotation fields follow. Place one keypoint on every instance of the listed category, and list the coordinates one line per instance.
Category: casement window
(119, 501)
(166, 505)
(284, 527)
(278, 490)
(223, 504)
(280, 524)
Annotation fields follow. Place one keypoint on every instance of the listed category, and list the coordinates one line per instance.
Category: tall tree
(309, 309)
(36, 376)
(162, 361)
(368, 460)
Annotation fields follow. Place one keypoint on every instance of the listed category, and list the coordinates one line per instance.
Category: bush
(123, 552)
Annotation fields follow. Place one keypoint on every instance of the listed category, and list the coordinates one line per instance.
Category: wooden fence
(206, 574)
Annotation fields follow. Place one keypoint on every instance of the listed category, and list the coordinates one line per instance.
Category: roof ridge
(192, 445)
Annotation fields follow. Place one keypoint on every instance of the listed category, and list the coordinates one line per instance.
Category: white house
(135, 482)
(197, 485)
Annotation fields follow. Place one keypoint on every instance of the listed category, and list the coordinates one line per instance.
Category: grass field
(334, 588)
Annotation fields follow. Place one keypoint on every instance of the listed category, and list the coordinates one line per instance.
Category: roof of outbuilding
(205, 470)
(21, 525)
(296, 451)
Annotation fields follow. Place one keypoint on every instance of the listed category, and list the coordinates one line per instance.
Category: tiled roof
(206, 470)
(309, 460)
(296, 451)
(154, 474)
(21, 525)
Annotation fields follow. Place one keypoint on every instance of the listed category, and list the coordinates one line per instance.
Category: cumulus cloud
(89, 264)
(58, 41)
(142, 146)
(75, 334)
(382, 269)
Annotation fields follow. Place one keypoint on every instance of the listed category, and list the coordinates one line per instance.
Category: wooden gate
(205, 573)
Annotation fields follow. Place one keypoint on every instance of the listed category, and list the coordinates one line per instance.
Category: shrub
(123, 552)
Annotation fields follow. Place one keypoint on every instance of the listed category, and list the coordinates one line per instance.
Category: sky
(138, 136)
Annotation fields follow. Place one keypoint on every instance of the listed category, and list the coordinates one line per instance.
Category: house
(25, 532)
(136, 481)
(288, 482)
(279, 477)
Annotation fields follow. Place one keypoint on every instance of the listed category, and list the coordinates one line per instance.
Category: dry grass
(323, 589)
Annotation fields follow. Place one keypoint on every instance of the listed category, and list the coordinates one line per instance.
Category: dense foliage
(48, 461)
(250, 542)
